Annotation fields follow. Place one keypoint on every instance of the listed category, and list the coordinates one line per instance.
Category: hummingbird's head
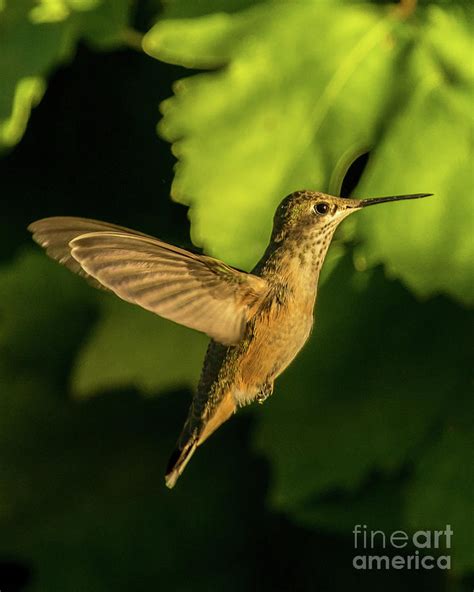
(311, 214)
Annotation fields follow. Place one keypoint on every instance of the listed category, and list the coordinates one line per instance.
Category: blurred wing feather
(194, 290)
(54, 235)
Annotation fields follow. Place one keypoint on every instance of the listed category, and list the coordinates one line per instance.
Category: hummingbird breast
(274, 338)
(271, 341)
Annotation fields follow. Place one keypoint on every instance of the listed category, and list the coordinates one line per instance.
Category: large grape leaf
(363, 396)
(266, 120)
(298, 90)
(35, 37)
(428, 145)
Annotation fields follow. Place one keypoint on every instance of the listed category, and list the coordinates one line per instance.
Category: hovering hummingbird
(257, 321)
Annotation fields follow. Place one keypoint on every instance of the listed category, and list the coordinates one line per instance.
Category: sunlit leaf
(430, 244)
(268, 116)
(299, 90)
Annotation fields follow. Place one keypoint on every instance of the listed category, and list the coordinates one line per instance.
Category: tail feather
(178, 461)
(192, 438)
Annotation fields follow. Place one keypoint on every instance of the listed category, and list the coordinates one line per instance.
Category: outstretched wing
(54, 235)
(194, 290)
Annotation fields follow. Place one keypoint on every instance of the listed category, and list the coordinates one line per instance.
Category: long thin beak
(376, 200)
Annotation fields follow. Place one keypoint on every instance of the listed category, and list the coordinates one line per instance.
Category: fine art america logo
(423, 549)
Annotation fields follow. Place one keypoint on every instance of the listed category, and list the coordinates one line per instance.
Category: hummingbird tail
(178, 461)
(190, 438)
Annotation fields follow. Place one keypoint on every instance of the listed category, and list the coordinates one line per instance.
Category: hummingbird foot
(265, 392)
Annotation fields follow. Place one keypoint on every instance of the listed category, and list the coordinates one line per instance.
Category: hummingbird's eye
(321, 208)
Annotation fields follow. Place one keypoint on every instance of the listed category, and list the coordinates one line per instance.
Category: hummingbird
(257, 321)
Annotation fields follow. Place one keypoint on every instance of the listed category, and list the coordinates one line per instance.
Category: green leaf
(427, 149)
(301, 89)
(362, 396)
(36, 37)
(132, 347)
(270, 109)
